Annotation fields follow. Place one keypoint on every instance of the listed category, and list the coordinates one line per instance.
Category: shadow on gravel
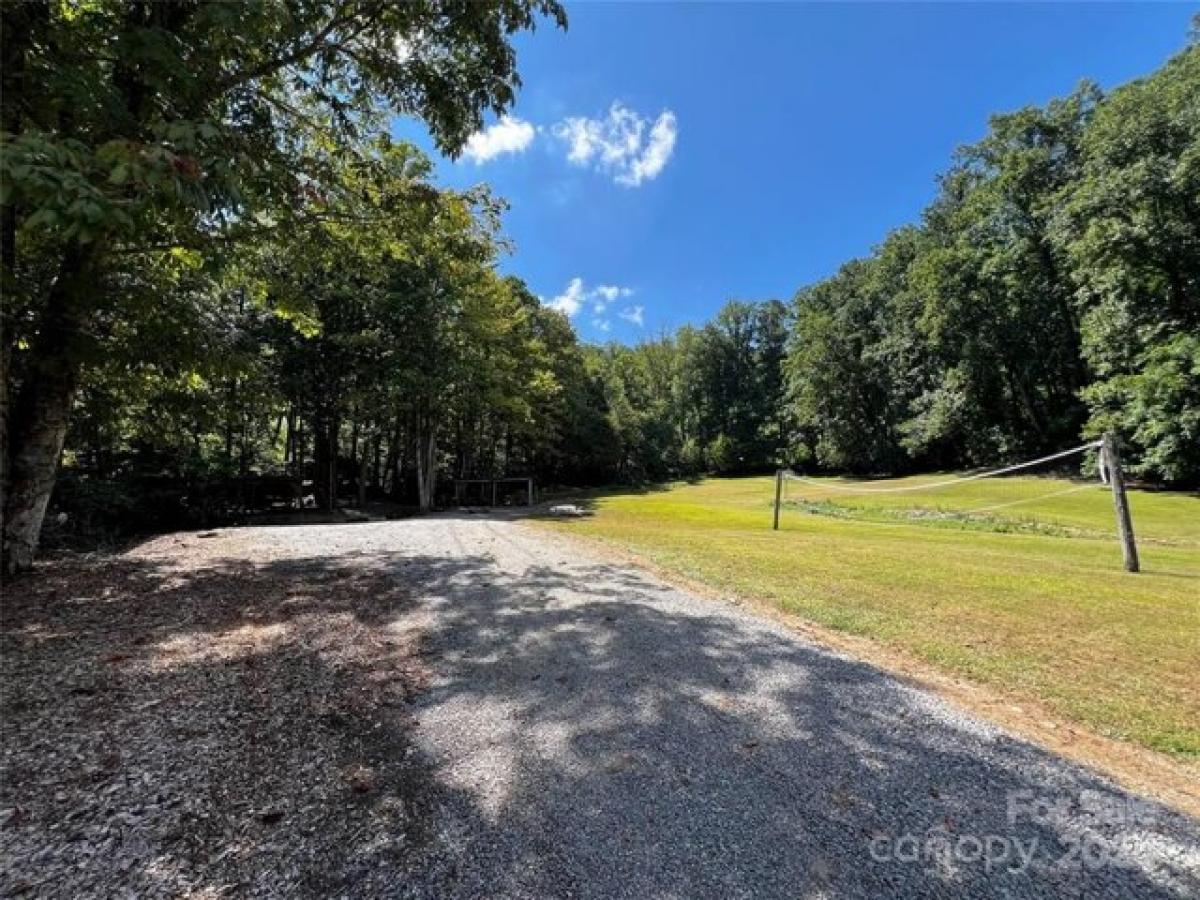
(256, 729)
(228, 730)
(673, 752)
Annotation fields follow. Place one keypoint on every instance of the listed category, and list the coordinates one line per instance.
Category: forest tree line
(236, 282)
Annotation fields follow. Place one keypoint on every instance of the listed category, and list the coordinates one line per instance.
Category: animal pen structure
(492, 491)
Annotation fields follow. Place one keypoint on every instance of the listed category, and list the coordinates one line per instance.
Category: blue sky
(754, 148)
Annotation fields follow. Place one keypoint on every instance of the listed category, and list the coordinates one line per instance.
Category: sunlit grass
(1051, 616)
(1034, 503)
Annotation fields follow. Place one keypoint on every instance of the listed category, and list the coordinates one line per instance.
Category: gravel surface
(462, 706)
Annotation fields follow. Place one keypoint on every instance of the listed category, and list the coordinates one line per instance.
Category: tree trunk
(363, 468)
(426, 461)
(377, 461)
(320, 432)
(230, 403)
(325, 458)
(5, 376)
(41, 414)
(389, 481)
(289, 443)
(299, 449)
(18, 25)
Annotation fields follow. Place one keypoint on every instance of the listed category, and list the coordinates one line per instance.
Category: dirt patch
(183, 723)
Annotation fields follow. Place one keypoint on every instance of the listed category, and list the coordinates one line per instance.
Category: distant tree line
(224, 285)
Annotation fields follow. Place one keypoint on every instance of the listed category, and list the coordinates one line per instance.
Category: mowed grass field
(1028, 595)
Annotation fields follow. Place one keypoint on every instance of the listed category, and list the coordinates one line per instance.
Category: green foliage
(838, 374)
(1052, 291)
(721, 455)
(189, 150)
(201, 113)
(1157, 407)
(701, 400)
(1130, 226)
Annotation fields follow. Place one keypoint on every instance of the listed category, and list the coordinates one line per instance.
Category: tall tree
(736, 367)
(840, 390)
(1130, 228)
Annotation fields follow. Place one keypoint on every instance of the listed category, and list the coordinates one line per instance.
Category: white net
(1048, 495)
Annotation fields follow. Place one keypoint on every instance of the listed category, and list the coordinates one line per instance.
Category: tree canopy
(135, 129)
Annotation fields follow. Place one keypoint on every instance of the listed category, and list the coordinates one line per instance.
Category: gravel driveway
(583, 730)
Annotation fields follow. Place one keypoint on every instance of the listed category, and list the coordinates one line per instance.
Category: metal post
(529, 484)
(1116, 478)
(493, 492)
(778, 495)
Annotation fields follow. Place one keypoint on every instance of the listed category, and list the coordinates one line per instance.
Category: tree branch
(271, 66)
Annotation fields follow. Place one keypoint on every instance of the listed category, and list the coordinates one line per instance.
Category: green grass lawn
(1029, 596)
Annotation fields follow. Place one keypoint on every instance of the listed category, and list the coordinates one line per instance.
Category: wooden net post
(778, 496)
(1116, 478)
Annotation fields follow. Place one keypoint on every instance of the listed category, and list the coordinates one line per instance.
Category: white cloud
(619, 144)
(509, 135)
(577, 295)
(634, 314)
(658, 150)
(623, 144)
(570, 300)
(611, 292)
